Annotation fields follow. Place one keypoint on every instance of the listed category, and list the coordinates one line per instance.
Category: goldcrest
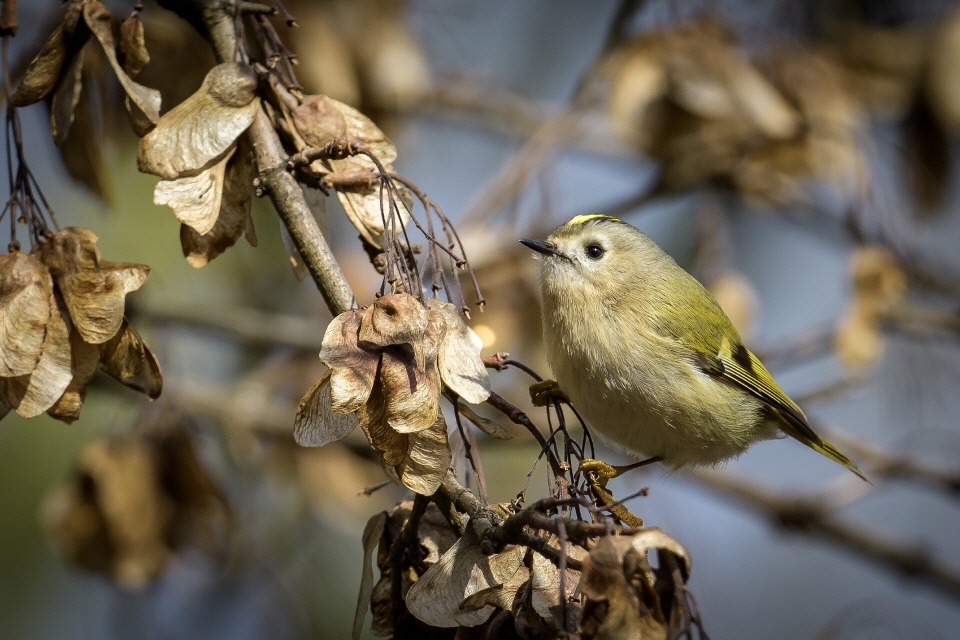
(648, 357)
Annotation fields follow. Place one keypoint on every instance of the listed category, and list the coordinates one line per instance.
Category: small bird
(647, 356)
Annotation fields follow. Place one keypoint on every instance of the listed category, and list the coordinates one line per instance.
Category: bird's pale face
(587, 260)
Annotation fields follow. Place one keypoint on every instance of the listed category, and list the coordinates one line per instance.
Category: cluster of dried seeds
(689, 97)
(200, 150)
(610, 591)
(57, 71)
(388, 365)
(132, 503)
(61, 317)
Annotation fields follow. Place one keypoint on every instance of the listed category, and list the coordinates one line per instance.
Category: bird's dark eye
(594, 251)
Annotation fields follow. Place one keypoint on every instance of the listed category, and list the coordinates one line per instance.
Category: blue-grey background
(298, 568)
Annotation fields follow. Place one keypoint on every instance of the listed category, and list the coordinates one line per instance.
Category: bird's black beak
(542, 246)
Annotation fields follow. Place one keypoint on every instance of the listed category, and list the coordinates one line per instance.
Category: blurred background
(797, 156)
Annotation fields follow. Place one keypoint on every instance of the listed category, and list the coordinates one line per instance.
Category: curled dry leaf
(97, 17)
(612, 610)
(461, 572)
(545, 579)
(195, 200)
(371, 538)
(25, 293)
(233, 219)
(84, 358)
(625, 597)
(353, 368)
(196, 134)
(320, 120)
(316, 424)
(396, 318)
(411, 386)
(65, 99)
(389, 445)
(132, 51)
(93, 289)
(486, 425)
(54, 371)
(82, 153)
(460, 365)
(128, 359)
(44, 71)
(653, 538)
(499, 595)
(427, 458)
(435, 537)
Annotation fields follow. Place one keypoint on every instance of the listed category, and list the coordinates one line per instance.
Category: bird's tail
(833, 452)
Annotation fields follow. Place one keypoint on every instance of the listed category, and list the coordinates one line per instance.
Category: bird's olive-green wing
(735, 364)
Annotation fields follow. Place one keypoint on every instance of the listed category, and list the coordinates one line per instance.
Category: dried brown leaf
(461, 572)
(43, 72)
(65, 99)
(427, 458)
(396, 318)
(132, 51)
(82, 153)
(371, 538)
(25, 294)
(612, 610)
(54, 369)
(353, 369)
(545, 579)
(460, 365)
(196, 133)
(412, 394)
(93, 289)
(195, 200)
(97, 17)
(489, 427)
(316, 424)
(653, 538)
(84, 358)
(74, 526)
(319, 120)
(499, 595)
(137, 511)
(389, 445)
(234, 217)
(128, 359)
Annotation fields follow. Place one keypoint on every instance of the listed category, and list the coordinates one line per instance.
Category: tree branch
(808, 515)
(215, 19)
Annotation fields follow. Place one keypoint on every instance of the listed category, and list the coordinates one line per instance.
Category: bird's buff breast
(648, 399)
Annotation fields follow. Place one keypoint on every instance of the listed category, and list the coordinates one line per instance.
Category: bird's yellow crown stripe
(583, 219)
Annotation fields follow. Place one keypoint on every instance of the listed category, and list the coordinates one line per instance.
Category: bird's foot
(605, 472)
(541, 393)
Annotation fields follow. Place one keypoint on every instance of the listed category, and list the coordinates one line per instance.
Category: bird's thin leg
(606, 471)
